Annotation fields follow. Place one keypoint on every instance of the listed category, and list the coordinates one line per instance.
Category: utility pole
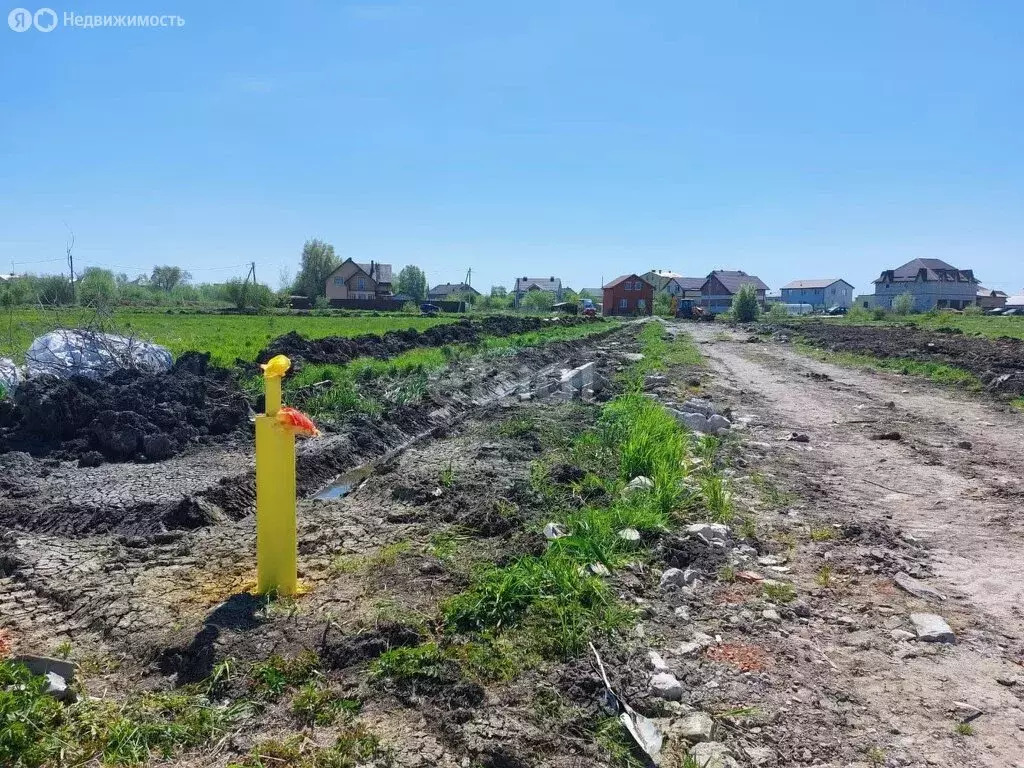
(255, 294)
(69, 250)
(469, 277)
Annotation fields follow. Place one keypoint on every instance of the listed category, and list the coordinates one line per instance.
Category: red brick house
(628, 295)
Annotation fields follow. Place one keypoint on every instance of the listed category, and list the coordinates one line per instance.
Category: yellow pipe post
(276, 540)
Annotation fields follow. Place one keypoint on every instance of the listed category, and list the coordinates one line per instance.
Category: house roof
(932, 267)
(623, 278)
(380, 273)
(982, 291)
(1015, 301)
(543, 283)
(733, 280)
(446, 289)
(689, 283)
(823, 283)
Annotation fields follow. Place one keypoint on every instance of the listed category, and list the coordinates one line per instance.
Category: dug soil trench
(886, 474)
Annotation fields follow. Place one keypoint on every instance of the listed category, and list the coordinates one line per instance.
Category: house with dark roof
(628, 295)
(359, 281)
(932, 282)
(524, 285)
(820, 294)
(719, 288)
(684, 287)
(659, 277)
(446, 290)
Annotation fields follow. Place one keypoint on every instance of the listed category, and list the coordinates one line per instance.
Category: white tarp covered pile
(66, 353)
(10, 375)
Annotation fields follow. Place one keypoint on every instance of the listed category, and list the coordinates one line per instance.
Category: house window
(361, 284)
(641, 304)
(339, 281)
(623, 303)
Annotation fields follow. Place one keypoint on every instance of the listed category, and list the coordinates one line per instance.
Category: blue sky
(581, 139)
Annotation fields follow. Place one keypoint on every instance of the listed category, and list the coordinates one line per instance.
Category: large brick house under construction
(932, 282)
(628, 295)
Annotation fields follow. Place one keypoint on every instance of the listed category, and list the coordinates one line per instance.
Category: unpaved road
(963, 503)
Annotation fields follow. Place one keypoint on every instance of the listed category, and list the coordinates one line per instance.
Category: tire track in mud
(949, 491)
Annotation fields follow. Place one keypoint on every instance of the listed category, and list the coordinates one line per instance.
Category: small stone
(800, 608)
(695, 422)
(629, 534)
(694, 728)
(673, 577)
(696, 405)
(1009, 682)
(682, 612)
(718, 424)
(666, 686)
(710, 533)
(770, 614)
(639, 483)
(554, 531)
(965, 445)
(699, 642)
(631, 357)
(712, 754)
(932, 628)
(798, 437)
(759, 755)
(901, 635)
(595, 569)
(909, 584)
(656, 661)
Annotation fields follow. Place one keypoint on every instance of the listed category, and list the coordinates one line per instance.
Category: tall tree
(499, 290)
(97, 287)
(412, 281)
(167, 278)
(317, 263)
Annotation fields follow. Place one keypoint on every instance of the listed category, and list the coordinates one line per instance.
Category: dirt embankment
(341, 349)
(999, 363)
(127, 415)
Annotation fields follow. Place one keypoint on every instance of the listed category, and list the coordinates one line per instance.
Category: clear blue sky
(581, 139)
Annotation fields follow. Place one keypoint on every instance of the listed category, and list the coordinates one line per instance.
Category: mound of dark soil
(999, 363)
(341, 349)
(125, 416)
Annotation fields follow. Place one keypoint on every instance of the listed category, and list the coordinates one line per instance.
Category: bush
(878, 313)
(903, 304)
(973, 309)
(745, 308)
(777, 312)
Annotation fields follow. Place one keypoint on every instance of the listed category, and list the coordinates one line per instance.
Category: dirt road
(949, 489)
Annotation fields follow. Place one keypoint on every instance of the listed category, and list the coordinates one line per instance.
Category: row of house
(931, 282)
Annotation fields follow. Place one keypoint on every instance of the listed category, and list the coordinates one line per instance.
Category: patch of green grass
(748, 527)
(421, 661)
(1018, 402)
(964, 729)
(315, 704)
(617, 745)
(939, 373)
(875, 756)
(727, 574)
(447, 476)
(824, 575)
(271, 678)
(386, 556)
(823, 533)
(981, 325)
(354, 746)
(518, 426)
(779, 592)
(63, 649)
(36, 730)
(717, 498)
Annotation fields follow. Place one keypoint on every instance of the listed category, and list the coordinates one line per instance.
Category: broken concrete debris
(554, 531)
(715, 424)
(715, 534)
(629, 534)
(582, 382)
(666, 686)
(932, 628)
(694, 728)
(712, 754)
(59, 675)
(909, 584)
(675, 577)
(640, 483)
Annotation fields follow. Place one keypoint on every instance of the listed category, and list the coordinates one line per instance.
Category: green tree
(412, 281)
(97, 287)
(167, 278)
(570, 296)
(317, 263)
(539, 301)
(499, 291)
(903, 304)
(52, 289)
(745, 308)
(662, 304)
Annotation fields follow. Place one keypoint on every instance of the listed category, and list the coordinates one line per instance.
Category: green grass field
(937, 372)
(225, 337)
(981, 325)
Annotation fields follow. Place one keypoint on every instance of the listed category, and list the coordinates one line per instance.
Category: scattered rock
(909, 584)
(695, 422)
(695, 727)
(887, 436)
(673, 577)
(59, 675)
(770, 614)
(798, 437)
(759, 755)
(1009, 682)
(640, 483)
(554, 531)
(800, 608)
(631, 357)
(710, 533)
(699, 642)
(965, 445)
(901, 635)
(932, 628)
(696, 405)
(712, 754)
(91, 459)
(718, 424)
(629, 534)
(656, 661)
(749, 576)
(666, 686)
(595, 569)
